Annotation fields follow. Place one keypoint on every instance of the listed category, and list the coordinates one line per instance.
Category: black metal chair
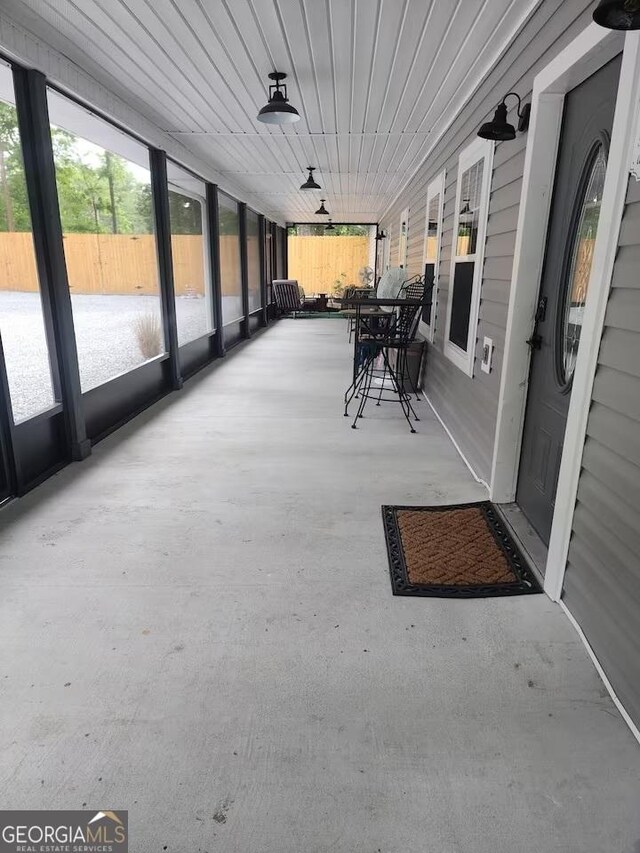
(392, 334)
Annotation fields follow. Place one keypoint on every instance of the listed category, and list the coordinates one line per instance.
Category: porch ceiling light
(278, 110)
(330, 226)
(618, 14)
(499, 128)
(310, 183)
(322, 211)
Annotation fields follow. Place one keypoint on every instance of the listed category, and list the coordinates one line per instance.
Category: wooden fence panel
(319, 263)
(17, 262)
(112, 263)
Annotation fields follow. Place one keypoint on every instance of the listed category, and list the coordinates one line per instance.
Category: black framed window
(24, 337)
(104, 192)
(230, 269)
(253, 261)
(190, 253)
(268, 255)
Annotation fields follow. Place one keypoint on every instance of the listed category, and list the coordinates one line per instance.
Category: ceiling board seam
(413, 64)
(305, 24)
(533, 5)
(195, 65)
(85, 37)
(398, 39)
(432, 65)
(221, 44)
(474, 117)
(160, 48)
(460, 51)
(332, 51)
(354, 8)
(371, 64)
(293, 71)
(464, 79)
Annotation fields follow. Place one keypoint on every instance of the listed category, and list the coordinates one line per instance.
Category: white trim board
(403, 239)
(478, 150)
(455, 444)
(593, 48)
(625, 716)
(435, 189)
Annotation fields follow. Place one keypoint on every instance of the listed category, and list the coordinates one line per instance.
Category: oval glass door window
(582, 242)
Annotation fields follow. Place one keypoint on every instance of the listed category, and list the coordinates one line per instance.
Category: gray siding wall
(467, 405)
(602, 583)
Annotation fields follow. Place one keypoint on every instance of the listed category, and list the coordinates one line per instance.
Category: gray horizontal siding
(469, 405)
(602, 582)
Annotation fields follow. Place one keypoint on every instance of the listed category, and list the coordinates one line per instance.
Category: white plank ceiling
(375, 81)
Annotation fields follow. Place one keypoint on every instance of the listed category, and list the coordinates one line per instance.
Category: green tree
(14, 206)
(185, 213)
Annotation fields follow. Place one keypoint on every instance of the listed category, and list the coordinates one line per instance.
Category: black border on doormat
(526, 584)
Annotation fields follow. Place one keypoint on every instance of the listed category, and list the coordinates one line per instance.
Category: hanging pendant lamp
(310, 183)
(618, 14)
(278, 110)
(322, 211)
(330, 226)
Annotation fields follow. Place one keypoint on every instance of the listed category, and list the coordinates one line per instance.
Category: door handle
(535, 341)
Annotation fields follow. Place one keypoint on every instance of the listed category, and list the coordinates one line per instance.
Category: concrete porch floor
(197, 625)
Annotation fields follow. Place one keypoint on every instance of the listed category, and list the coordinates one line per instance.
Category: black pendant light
(330, 226)
(618, 14)
(322, 211)
(381, 235)
(310, 184)
(499, 128)
(278, 110)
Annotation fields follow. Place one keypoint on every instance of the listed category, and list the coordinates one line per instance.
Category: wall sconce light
(499, 129)
(381, 235)
(310, 183)
(278, 110)
(322, 211)
(618, 14)
(466, 214)
(330, 226)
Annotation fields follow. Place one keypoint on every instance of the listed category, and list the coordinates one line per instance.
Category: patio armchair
(290, 298)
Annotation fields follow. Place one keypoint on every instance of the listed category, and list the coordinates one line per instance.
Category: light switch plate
(487, 355)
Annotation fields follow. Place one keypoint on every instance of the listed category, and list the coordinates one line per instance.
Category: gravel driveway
(105, 337)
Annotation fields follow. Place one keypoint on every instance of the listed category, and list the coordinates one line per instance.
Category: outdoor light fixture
(499, 128)
(310, 184)
(618, 14)
(322, 211)
(330, 226)
(381, 235)
(278, 110)
(466, 214)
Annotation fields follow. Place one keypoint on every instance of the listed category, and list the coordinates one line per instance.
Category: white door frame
(588, 52)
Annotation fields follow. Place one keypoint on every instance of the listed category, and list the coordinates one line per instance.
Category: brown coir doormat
(461, 551)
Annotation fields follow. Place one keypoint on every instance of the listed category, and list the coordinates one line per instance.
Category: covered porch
(198, 626)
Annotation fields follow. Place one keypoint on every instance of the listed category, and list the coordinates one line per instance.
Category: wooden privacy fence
(318, 262)
(118, 263)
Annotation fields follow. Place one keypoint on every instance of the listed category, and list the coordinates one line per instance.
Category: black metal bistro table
(368, 312)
